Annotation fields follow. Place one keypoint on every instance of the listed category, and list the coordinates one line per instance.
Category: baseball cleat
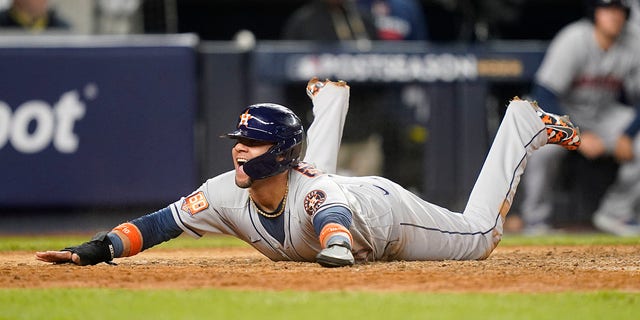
(560, 130)
(315, 85)
(335, 256)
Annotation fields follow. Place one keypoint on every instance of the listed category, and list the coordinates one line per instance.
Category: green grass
(222, 304)
(37, 243)
(41, 243)
(97, 303)
(568, 239)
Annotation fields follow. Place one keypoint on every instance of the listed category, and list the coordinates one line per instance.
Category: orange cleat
(560, 130)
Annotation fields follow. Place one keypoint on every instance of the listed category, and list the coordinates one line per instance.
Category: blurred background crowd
(443, 20)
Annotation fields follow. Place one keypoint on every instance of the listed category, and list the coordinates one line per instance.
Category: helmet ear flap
(292, 156)
(263, 166)
(271, 162)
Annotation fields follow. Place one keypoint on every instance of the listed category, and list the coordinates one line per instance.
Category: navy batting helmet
(593, 4)
(273, 123)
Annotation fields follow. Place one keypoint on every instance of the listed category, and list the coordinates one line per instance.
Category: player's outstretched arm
(125, 240)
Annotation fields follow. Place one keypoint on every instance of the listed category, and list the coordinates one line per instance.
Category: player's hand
(624, 149)
(98, 249)
(58, 257)
(591, 145)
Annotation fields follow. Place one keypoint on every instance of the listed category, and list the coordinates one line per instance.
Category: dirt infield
(509, 269)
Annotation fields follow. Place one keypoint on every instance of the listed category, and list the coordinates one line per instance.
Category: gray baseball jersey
(389, 222)
(588, 81)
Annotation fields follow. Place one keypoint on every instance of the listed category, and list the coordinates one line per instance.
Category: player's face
(243, 151)
(610, 20)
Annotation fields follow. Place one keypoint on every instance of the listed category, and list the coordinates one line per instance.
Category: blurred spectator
(334, 21)
(118, 16)
(380, 134)
(396, 19)
(591, 72)
(400, 137)
(329, 20)
(402, 134)
(31, 15)
(471, 20)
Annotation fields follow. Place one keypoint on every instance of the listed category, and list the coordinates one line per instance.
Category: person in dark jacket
(330, 20)
(31, 15)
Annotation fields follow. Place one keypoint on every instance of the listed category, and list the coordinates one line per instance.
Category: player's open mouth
(241, 161)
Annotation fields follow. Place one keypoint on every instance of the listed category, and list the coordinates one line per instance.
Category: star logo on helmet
(244, 119)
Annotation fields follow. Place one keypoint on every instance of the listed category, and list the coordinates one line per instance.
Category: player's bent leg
(476, 232)
(330, 106)
(521, 133)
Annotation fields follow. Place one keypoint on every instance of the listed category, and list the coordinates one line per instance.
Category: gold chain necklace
(283, 204)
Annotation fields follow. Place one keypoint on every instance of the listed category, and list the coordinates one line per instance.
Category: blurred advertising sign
(101, 120)
(400, 63)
